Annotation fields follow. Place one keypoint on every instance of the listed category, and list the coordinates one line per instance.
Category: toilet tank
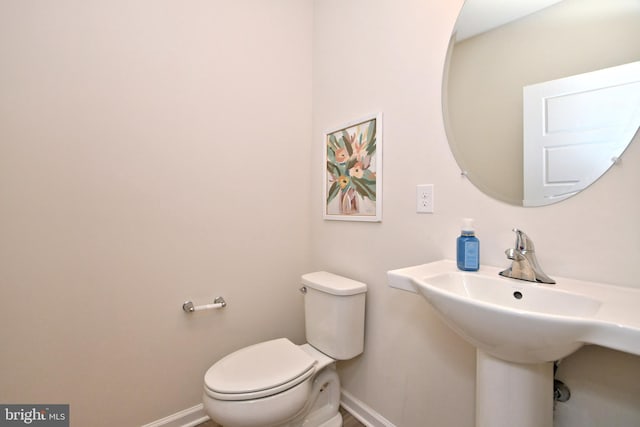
(334, 314)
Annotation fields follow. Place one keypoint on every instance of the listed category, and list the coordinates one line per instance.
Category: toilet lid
(259, 370)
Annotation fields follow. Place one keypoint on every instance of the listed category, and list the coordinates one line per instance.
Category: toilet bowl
(274, 383)
(278, 383)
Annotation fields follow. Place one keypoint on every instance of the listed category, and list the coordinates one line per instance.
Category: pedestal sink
(520, 328)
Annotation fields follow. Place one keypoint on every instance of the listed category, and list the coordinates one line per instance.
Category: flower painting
(353, 171)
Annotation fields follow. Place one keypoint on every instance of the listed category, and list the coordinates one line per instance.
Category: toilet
(279, 383)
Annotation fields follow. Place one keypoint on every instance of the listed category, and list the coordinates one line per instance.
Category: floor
(347, 421)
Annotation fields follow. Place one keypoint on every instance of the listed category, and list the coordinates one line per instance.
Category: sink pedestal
(513, 394)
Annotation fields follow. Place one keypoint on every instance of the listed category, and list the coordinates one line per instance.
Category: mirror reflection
(541, 97)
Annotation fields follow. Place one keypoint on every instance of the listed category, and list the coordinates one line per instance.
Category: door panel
(575, 128)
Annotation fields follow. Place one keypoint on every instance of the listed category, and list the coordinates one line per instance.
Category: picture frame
(352, 171)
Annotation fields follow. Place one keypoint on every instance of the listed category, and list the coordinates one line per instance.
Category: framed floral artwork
(353, 171)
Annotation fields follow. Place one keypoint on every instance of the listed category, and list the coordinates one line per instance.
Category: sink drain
(517, 295)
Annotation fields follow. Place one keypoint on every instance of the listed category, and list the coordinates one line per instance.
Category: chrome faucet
(525, 264)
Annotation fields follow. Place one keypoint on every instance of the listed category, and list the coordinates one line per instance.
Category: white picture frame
(352, 171)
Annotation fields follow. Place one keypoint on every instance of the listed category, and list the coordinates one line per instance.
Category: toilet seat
(259, 371)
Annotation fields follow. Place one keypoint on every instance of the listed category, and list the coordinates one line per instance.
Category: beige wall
(382, 56)
(150, 152)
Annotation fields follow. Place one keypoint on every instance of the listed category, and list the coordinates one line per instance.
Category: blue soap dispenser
(468, 247)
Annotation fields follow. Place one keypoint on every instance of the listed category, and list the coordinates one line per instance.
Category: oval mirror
(541, 97)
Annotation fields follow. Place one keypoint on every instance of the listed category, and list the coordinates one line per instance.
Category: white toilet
(278, 383)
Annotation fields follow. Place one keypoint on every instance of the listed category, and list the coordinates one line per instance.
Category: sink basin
(514, 295)
(524, 322)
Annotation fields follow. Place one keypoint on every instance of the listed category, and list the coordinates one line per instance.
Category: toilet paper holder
(188, 306)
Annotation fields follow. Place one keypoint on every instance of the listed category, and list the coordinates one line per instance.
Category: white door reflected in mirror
(575, 128)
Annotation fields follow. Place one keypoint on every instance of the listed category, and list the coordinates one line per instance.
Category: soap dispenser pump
(468, 247)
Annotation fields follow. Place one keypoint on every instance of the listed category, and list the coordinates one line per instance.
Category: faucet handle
(523, 242)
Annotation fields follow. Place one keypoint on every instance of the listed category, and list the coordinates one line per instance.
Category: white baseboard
(196, 415)
(187, 418)
(362, 412)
